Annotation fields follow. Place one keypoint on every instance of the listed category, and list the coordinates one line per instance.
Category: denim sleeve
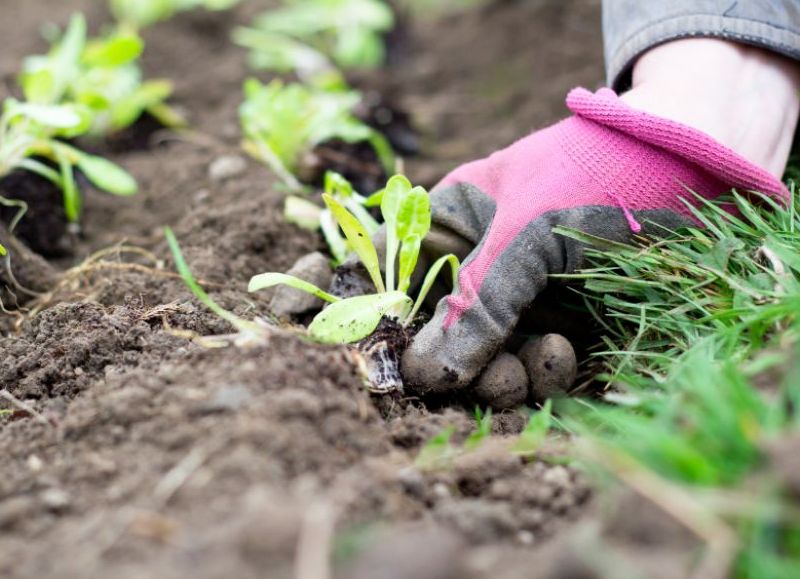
(630, 27)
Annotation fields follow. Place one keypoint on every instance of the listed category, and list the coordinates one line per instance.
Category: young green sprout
(247, 330)
(137, 14)
(282, 122)
(100, 74)
(407, 215)
(282, 54)
(483, 431)
(347, 31)
(308, 215)
(29, 135)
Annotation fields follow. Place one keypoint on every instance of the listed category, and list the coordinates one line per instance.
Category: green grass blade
(267, 280)
(199, 292)
(427, 283)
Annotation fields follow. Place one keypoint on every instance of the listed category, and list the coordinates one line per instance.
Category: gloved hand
(609, 171)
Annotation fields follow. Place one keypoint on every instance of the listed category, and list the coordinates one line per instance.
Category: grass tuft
(701, 370)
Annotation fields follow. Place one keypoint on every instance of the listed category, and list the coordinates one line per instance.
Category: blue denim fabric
(630, 27)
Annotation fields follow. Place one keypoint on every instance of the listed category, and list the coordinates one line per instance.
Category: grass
(701, 371)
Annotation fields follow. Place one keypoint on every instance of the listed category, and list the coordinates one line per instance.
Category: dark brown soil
(152, 453)
(43, 225)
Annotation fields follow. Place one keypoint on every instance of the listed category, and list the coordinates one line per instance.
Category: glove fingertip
(427, 366)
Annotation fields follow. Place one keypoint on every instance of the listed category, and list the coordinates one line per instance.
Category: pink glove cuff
(691, 145)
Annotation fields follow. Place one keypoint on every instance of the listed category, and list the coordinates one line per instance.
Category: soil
(137, 448)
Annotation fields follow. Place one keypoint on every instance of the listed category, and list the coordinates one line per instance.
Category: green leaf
(354, 205)
(69, 190)
(40, 169)
(302, 212)
(106, 175)
(437, 452)
(267, 280)
(60, 117)
(118, 50)
(37, 85)
(375, 199)
(45, 79)
(430, 277)
(414, 216)
(413, 224)
(360, 48)
(141, 13)
(482, 432)
(337, 186)
(383, 149)
(333, 237)
(354, 319)
(535, 432)
(409, 255)
(128, 109)
(359, 240)
(396, 189)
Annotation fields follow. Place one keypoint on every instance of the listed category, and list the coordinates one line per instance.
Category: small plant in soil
(101, 74)
(30, 140)
(308, 215)
(483, 430)
(535, 432)
(407, 216)
(283, 123)
(247, 331)
(309, 32)
(438, 452)
(138, 14)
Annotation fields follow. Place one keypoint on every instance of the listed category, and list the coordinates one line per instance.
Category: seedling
(483, 430)
(29, 136)
(247, 330)
(535, 431)
(102, 75)
(407, 214)
(283, 54)
(438, 452)
(136, 14)
(347, 31)
(283, 122)
(307, 215)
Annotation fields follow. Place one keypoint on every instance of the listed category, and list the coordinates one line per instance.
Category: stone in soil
(503, 384)
(287, 301)
(551, 365)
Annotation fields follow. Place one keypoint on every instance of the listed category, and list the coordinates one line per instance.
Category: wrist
(746, 98)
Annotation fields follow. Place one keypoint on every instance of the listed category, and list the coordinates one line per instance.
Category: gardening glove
(609, 170)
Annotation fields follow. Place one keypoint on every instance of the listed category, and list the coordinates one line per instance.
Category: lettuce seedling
(407, 214)
(282, 54)
(137, 14)
(309, 216)
(282, 122)
(101, 74)
(347, 31)
(29, 136)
